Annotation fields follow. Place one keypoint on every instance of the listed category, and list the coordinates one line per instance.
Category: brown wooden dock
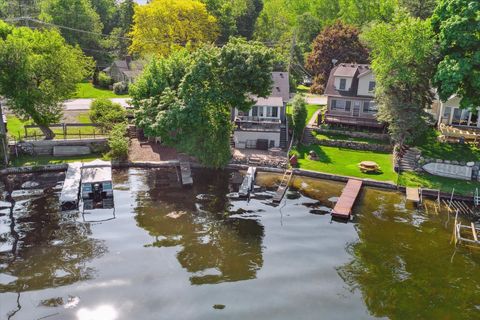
(343, 207)
(282, 188)
(413, 194)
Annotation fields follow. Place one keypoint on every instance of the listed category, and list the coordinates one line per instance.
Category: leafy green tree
(299, 115)
(18, 8)
(403, 59)
(340, 42)
(78, 15)
(119, 39)
(361, 12)
(106, 10)
(38, 71)
(457, 24)
(195, 117)
(422, 9)
(118, 142)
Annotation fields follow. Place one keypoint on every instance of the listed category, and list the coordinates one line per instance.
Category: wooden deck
(413, 194)
(343, 207)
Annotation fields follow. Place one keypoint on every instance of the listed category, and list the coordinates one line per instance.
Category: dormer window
(343, 84)
(371, 86)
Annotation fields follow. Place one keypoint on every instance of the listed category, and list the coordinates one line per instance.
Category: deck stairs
(476, 198)
(132, 132)
(308, 137)
(283, 186)
(283, 137)
(408, 160)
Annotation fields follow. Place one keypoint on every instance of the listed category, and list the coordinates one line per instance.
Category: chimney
(128, 60)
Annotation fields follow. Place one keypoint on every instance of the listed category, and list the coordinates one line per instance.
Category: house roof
(281, 85)
(341, 70)
(269, 102)
(131, 70)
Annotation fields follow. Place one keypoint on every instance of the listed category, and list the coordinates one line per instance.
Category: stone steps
(409, 160)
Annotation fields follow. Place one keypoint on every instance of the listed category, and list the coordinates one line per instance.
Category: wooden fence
(63, 131)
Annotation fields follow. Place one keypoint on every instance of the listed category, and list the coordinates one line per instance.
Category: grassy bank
(86, 90)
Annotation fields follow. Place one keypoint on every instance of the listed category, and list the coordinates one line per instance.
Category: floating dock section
(71, 187)
(248, 182)
(413, 194)
(343, 207)
(282, 188)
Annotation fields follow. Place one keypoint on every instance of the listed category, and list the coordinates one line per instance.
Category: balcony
(246, 123)
(353, 121)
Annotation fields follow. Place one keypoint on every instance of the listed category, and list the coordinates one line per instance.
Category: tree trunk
(49, 135)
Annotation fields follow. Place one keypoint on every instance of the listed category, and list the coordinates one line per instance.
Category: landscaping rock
(439, 161)
(447, 161)
(30, 185)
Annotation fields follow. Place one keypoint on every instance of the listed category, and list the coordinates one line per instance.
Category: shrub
(106, 113)
(104, 81)
(118, 141)
(120, 87)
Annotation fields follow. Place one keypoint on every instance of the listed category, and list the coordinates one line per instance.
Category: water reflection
(403, 262)
(41, 248)
(214, 246)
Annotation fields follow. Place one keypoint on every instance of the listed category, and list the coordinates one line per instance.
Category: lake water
(167, 254)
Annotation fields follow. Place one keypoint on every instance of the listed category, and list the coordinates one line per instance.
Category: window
(272, 112)
(343, 84)
(348, 105)
(371, 86)
(447, 112)
(339, 105)
(255, 112)
(369, 107)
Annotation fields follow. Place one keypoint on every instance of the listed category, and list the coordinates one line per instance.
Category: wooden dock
(185, 170)
(343, 207)
(283, 186)
(71, 187)
(413, 194)
(248, 182)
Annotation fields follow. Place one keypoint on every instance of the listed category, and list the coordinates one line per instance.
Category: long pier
(71, 186)
(343, 207)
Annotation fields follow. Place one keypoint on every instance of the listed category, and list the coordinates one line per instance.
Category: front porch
(352, 121)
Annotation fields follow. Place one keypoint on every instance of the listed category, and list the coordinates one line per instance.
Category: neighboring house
(350, 96)
(265, 125)
(124, 70)
(450, 113)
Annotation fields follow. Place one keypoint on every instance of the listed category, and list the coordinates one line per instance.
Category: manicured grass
(339, 136)
(84, 118)
(16, 127)
(86, 90)
(426, 180)
(44, 160)
(432, 148)
(311, 108)
(303, 89)
(345, 162)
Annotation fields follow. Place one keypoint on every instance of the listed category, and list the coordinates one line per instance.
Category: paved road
(84, 104)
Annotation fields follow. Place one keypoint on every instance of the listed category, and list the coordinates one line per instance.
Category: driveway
(84, 104)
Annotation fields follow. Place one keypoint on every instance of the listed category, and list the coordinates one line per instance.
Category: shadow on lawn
(302, 153)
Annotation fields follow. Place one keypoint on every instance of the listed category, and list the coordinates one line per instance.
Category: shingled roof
(351, 70)
(281, 85)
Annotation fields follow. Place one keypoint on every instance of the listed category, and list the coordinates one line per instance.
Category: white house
(450, 113)
(264, 125)
(350, 92)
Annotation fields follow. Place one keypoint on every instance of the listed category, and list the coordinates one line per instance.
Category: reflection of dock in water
(185, 170)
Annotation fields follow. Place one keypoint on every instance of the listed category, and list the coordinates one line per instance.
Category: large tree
(457, 24)
(195, 117)
(403, 61)
(163, 26)
(79, 24)
(360, 12)
(338, 42)
(39, 70)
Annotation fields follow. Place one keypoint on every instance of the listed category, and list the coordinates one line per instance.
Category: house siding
(363, 85)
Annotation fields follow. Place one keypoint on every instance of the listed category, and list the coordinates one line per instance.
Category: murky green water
(166, 254)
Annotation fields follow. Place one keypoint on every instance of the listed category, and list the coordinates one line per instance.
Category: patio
(274, 158)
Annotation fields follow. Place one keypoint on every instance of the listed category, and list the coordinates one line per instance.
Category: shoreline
(430, 193)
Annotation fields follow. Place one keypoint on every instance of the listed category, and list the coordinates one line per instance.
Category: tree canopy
(403, 61)
(38, 70)
(195, 116)
(162, 26)
(340, 42)
(457, 23)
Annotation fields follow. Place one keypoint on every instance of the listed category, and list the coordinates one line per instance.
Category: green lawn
(311, 108)
(425, 180)
(303, 89)
(340, 136)
(345, 162)
(44, 160)
(432, 148)
(86, 90)
(16, 128)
